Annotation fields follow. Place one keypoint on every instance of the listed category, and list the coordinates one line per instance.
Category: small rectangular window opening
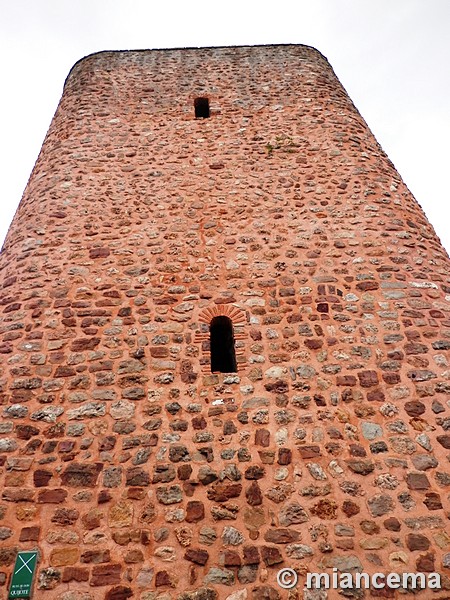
(223, 354)
(201, 106)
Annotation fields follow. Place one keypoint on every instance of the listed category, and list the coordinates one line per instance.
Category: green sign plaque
(22, 578)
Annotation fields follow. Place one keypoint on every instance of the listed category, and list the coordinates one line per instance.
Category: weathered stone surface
(195, 511)
(62, 536)
(362, 467)
(254, 472)
(414, 408)
(163, 473)
(7, 555)
(416, 541)
(380, 504)
(406, 500)
(81, 475)
(386, 481)
(216, 575)
(88, 410)
(207, 475)
(368, 378)
(64, 556)
(423, 462)
(197, 556)
(343, 563)
(95, 556)
(281, 536)
(119, 592)
(419, 523)
(15, 411)
(316, 471)
(65, 516)
(48, 578)
(184, 536)
(17, 495)
(121, 514)
(8, 445)
(298, 551)
(392, 524)
(417, 481)
(292, 514)
(136, 476)
(370, 430)
(41, 477)
(77, 574)
(374, 543)
(251, 555)
(232, 537)
(83, 344)
(178, 452)
(171, 494)
(225, 512)
(148, 513)
(433, 501)
(265, 592)
(51, 496)
(254, 495)
(166, 553)
(112, 476)
(108, 574)
(262, 437)
(271, 555)
(5, 533)
(221, 492)
(238, 595)
(425, 563)
(280, 493)
(133, 556)
(207, 535)
(402, 445)
(350, 508)
(230, 558)
(309, 451)
(49, 414)
(165, 579)
(29, 534)
(200, 594)
(325, 509)
(254, 518)
(444, 440)
(442, 479)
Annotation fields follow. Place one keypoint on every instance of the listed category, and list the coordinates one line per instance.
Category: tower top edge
(216, 50)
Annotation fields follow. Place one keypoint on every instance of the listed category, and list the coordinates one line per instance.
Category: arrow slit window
(223, 354)
(201, 106)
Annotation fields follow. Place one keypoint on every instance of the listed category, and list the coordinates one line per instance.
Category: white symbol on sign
(25, 564)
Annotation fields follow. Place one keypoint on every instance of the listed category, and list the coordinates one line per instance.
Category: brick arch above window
(236, 314)
(238, 318)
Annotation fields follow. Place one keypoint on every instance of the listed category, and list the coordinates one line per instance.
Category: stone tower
(224, 335)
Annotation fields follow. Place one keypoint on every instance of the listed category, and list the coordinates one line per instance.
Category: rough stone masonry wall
(134, 470)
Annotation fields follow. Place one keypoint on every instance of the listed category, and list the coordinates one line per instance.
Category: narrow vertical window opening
(223, 355)
(201, 106)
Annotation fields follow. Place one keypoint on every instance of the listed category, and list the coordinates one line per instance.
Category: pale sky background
(392, 56)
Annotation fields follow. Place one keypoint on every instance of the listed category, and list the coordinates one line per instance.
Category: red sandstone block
(30, 534)
(108, 574)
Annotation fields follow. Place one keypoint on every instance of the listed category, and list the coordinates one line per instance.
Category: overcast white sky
(392, 56)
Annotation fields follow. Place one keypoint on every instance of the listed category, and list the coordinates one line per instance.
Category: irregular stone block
(81, 474)
(108, 574)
